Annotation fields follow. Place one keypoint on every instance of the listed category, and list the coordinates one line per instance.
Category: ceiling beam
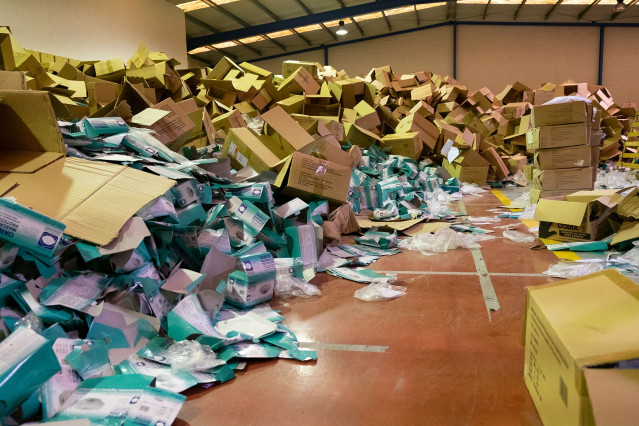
(197, 58)
(587, 8)
(354, 22)
(275, 17)
(486, 9)
(614, 15)
(310, 13)
(388, 24)
(451, 10)
(213, 30)
(552, 9)
(313, 18)
(201, 23)
(251, 48)
(523, 2)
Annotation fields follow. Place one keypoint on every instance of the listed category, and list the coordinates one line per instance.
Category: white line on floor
(494, 274)
(487, 289)
(342, 347)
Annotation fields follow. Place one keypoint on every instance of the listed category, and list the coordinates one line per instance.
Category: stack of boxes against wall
(566, 143)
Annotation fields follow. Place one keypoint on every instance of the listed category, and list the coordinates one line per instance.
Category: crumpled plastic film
(472, 189)
(190, 355)
(288, 286)
(631, 256)
(31, 321)
(470, 241)
(254, 123)
(518, 237)
(573, 269)
(380, 291)
(529, 212)
(441, 241)
(615, 179)
(428, 244)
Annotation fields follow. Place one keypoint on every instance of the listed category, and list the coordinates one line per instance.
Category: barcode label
(563, 391)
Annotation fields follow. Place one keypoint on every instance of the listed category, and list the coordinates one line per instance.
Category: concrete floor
(435, 356)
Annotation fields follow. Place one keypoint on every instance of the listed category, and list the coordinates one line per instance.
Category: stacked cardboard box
(565, 160)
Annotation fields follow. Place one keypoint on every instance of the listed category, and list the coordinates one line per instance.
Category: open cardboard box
(309, 177)
(93, 199)
(582, 216)
(576, 329)
(245, 148)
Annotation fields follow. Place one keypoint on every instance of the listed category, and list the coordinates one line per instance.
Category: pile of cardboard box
(165, 193)
(566, 149)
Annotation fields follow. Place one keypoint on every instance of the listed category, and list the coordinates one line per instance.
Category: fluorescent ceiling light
(341, 29)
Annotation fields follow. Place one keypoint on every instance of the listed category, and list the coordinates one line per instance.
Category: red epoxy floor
(432, 357)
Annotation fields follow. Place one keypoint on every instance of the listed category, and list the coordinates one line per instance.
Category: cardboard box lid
(93, 199)
(587, 196)
(567, 212)
(289, 129)
(596, 317)
(613, 394)
(30, 137)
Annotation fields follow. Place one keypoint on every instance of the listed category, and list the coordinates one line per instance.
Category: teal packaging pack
(29, 229)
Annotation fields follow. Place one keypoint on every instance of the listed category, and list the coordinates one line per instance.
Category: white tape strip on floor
(487, 289)
(342, 347)
(474, 274)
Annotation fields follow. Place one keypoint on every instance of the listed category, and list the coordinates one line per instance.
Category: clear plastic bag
(529, 212)
(256, 124)
(631, 256)
(380, 291)
(441, 241)
(615, 179)
(428, 244)
(190, 355)
(31, 321)
(472, 189)
(470, 241)
(573, 269)
(518, 237)
(289, 286)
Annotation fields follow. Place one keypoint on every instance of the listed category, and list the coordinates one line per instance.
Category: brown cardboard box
(565, 113)
(467, 174)
(288, 132)
(428, 132)
(500, 168)
(12, 80)
(359, 136)
(563, 158)
(331, 151)
(300, 81)
(563, 178)
(538, 194)
(289, 67)
(308, 177)
(573, 328)
(557, 136)
(172, 129)
(93, 199)
(573, 220)
(245, 148)
(406, 144)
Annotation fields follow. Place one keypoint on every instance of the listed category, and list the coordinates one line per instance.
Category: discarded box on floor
(573, 220)
(574, 326)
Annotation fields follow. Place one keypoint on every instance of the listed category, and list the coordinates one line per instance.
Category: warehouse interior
(260, 212)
